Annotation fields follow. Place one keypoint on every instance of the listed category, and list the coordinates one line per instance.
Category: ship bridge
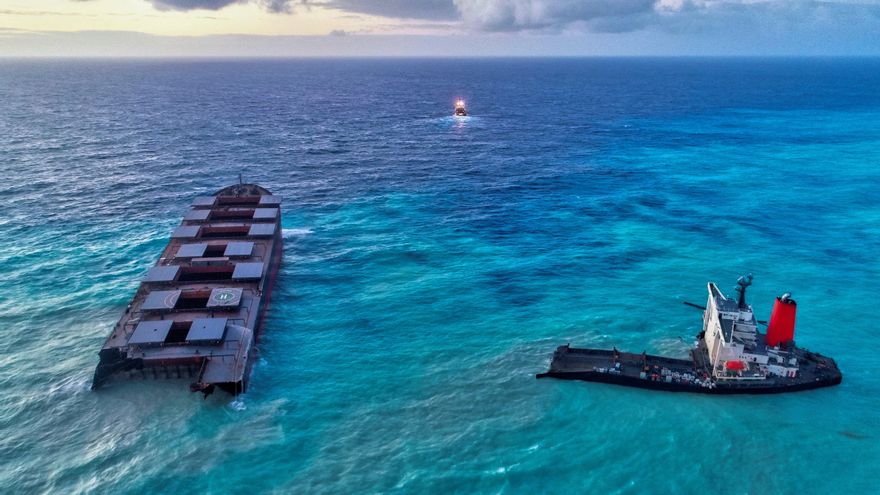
(729, 333)
(735, 348)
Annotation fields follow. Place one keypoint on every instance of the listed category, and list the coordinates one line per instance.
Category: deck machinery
(730, 355)
(198, 311)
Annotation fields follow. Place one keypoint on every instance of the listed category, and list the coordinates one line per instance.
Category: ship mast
(741, 284)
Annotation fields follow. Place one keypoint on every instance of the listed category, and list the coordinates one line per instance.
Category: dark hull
(270, 285)
(621, 368)
(240, 387)
(629, 381)
(236, 388)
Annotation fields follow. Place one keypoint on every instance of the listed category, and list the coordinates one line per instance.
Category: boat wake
(454, 119)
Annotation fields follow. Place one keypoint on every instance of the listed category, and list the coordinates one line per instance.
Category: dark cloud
(521, 15)
(275, 6)
(437, 10)
(192, 4)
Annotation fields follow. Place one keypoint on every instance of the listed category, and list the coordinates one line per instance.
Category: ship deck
(681, 375)
(200, 306)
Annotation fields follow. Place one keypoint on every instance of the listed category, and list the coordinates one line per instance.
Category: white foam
(290, 233)
(71, 385)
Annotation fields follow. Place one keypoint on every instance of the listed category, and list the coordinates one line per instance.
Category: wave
(291, 233)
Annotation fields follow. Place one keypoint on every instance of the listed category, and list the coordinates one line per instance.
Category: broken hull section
(199, 312)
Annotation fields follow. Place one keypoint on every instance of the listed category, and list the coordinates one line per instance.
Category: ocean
(432, 265)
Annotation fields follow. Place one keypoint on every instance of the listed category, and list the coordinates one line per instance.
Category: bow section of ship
(198, 312)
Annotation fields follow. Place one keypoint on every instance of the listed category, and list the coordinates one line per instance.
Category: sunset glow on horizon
(438, 27)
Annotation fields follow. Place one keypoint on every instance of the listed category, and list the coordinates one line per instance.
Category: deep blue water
(431, 266)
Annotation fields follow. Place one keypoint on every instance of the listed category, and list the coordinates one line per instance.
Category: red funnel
(781, 326)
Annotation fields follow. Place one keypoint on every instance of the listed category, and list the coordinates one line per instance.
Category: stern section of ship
(681, 375)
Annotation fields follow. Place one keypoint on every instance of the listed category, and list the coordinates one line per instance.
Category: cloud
(275, 6)
(520, 15)
(668, 15)
(848, 40)
(41, 13)
(597, 16)
(438, 10)
(192, 4)
(766, 16)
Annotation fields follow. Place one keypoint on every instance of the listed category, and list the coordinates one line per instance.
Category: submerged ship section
(730, 355)
(198, 312)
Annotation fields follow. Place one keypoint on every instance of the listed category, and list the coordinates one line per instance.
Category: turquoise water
(432, 265)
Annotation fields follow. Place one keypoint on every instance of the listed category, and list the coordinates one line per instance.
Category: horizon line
(441, 57)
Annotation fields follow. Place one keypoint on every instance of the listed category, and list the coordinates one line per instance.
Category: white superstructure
(737, 351)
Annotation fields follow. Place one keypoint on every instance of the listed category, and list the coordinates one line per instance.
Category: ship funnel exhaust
(781, 326)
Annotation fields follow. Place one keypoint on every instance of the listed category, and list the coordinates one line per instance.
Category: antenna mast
(741, 284)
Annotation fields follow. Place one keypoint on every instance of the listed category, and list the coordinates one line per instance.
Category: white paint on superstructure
(731, 334)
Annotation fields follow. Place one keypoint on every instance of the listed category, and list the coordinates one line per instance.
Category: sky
(304, 28)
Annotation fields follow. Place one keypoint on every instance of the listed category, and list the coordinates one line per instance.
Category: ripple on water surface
(433, 263)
